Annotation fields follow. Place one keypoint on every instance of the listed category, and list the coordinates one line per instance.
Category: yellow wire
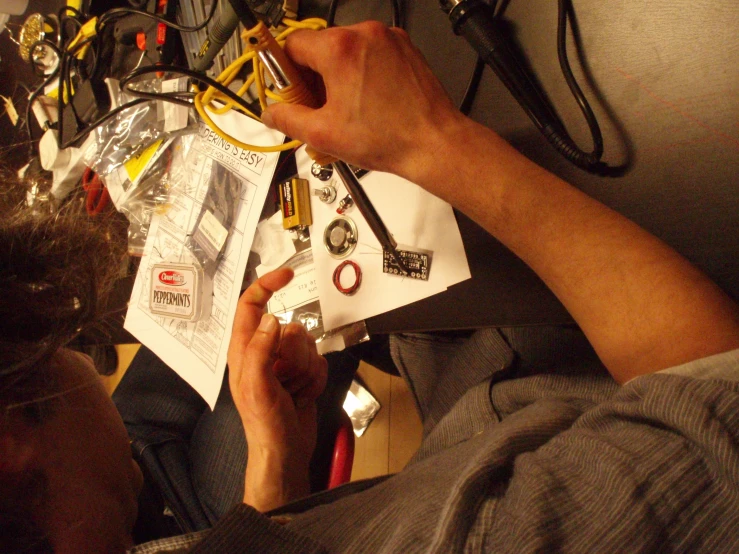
(203, 100)
(272, 95)
(276, 148)
(230, 104)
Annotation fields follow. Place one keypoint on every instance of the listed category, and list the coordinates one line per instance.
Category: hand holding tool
(293, 89)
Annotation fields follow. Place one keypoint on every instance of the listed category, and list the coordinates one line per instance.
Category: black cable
(472, 85)
(331, 17)
(477, 22)
(63, 16)
(41, 87)
(182, 71)
(62, 22)
(397, 14)
(465, 106)
(65, 84)
(101, 120)
(31, 100)
(572, 83)
(115, 13)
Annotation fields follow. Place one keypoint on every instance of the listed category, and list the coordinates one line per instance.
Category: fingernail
(267, 119)
(268, 323)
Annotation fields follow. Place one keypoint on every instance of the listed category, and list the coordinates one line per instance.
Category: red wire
(357, 275)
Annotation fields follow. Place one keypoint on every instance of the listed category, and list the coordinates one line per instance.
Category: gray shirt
(543, 462)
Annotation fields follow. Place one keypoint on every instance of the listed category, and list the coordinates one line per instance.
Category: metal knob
(325, 194)
(322, 172)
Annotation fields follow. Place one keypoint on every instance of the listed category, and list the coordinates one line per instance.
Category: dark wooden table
(663, 79)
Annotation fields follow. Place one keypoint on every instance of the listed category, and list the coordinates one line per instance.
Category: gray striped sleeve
(720, 366)
(656, 468)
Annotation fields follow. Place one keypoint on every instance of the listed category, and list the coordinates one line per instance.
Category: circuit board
(418, 263)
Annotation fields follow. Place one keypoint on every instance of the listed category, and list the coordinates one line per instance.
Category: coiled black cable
(477, 22)
(176, 97)
(582, 102)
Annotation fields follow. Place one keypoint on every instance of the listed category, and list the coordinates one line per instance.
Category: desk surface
(667, 76)
(666, 73)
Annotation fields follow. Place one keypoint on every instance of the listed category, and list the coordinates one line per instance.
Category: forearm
(642, 306)
(271, 480)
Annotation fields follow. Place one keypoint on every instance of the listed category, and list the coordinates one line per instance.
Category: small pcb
(418, 264)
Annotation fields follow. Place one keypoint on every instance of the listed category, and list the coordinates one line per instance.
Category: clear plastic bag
(307, 312)
(145, 190)
(131, 132)
(124, 137)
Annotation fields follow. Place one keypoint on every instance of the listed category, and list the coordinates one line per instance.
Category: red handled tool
(97, 195)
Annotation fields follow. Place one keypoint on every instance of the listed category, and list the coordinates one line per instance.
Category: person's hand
(384, 109)
(275, 375)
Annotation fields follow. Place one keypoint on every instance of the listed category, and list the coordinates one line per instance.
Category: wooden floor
(387, 444)
(395, 433)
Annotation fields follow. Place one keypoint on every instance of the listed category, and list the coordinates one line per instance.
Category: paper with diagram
(197, 350)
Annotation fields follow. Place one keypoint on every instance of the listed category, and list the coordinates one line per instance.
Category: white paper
(301, 290)
(212, 231)
(273, 244)
(197, 351)
(415, 218)
(175, 115)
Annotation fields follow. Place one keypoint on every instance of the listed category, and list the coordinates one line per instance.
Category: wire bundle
(79, 53)
(88, 37)
(205, 101)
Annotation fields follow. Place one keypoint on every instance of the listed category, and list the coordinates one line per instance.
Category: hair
(57, 268)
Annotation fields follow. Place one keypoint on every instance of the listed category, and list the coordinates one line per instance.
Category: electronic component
(326, 194)
(417, 262)
(34, 29)
(340, 237)
(321, 172)
(192, 12)
(344, 204)
(220, 31)
(351, 289)
(295, 205)
(217, 218)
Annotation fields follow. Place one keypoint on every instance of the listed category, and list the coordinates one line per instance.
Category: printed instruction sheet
(197, 350)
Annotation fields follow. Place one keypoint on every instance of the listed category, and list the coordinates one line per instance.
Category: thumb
(295, 120)
(259, 385)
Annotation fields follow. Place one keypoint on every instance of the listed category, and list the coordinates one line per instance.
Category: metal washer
(340, 237)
